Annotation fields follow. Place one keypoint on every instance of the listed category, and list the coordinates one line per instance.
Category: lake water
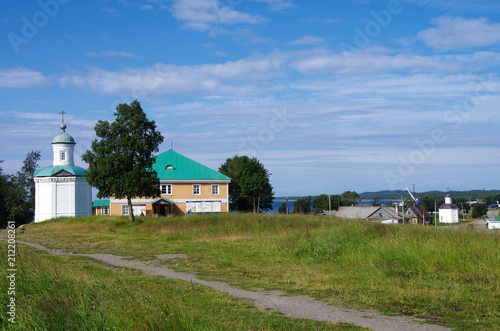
(277, 204)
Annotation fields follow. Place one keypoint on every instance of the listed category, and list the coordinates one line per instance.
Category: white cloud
(22, 78)
(171, 79)
(110, 54)
(203, 14)
(146, 7)
(307, 40)
(111, 11)
(278, 5)
(459, 33)
(368, 62)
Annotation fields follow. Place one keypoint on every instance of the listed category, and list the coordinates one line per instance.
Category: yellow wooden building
(186, 187)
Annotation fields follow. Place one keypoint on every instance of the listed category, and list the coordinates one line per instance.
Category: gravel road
(294, 306)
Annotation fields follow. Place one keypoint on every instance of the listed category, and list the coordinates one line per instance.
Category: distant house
(356, 212)
(490, 224)
(448, 212)
(386, 215)
(186, 187)
(100, 207)
(417, 215)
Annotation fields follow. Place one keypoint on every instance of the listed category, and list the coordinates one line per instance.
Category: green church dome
(63, 138)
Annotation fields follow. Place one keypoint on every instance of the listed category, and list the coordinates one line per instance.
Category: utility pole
(329, 205)
(463, 214)
(435, 212)
(403, 208)
(286, 204)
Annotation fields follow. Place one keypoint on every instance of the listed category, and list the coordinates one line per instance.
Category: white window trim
(168, 189)
(105, 209)
(218, 189)
(63, 156)
(125, 210)
(199, 189)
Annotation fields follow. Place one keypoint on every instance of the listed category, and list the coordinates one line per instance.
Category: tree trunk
(258, 204)
(130, 210)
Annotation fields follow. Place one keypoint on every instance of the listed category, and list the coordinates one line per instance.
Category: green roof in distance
(52, 170)
(171, 165)
(100, 203)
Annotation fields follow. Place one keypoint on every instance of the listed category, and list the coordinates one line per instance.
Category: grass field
(445, 275)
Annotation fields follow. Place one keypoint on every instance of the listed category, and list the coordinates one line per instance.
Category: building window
(104, 210)
(166, 189)
(196, 189)
(63, 156)
(169, 167)
(215, 189)
(124, 209)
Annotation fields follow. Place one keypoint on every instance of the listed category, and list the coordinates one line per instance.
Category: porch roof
(162, 199)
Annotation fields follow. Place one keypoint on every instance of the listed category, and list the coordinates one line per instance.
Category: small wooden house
(418, 215)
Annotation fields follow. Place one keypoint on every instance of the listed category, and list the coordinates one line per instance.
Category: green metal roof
(171, 165)
(167, 200)
(100, 203)
(52, 170)
(64, 138)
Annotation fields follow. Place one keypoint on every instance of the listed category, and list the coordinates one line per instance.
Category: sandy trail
(294, 306)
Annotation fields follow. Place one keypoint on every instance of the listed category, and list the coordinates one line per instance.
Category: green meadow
(447, 276)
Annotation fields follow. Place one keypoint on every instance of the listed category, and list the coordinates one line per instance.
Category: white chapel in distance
(62, 189)
(448, 212)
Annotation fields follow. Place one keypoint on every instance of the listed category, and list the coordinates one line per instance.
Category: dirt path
(294, 306)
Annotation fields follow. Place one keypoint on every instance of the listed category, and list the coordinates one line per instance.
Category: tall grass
(78, 293)
(448, 275)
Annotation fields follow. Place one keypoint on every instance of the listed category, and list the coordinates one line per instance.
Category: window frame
(62, 155)
(168, 189)
(196, 189)
(125, 210)
(105, 211)
(217, 187)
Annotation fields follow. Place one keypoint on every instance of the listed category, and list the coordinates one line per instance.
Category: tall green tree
(428, 203)
(17, 193)
(479, 210)
(121, 157)
(250, 188)
(282, 208)
(25, 178)
(302, 205)
(323, 202)
(350, 198)
(4, 189)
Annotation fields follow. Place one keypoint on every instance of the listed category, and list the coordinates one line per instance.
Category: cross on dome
(63, 126)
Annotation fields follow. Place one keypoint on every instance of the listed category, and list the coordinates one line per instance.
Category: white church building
(448, 212)
(62, 189)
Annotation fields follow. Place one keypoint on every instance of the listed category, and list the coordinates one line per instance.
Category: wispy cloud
(278, 5)
(307, 40)
(22, 78)
(201, 15)
(111, 11)
(111, 54)
(460, 33)
(170, 79)
(376, 60)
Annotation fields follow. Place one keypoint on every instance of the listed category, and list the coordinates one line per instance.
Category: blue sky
(329, 95)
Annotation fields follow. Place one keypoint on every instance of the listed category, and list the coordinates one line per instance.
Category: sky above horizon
(329, 95)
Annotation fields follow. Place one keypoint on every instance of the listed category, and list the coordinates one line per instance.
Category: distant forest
(397, 194)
